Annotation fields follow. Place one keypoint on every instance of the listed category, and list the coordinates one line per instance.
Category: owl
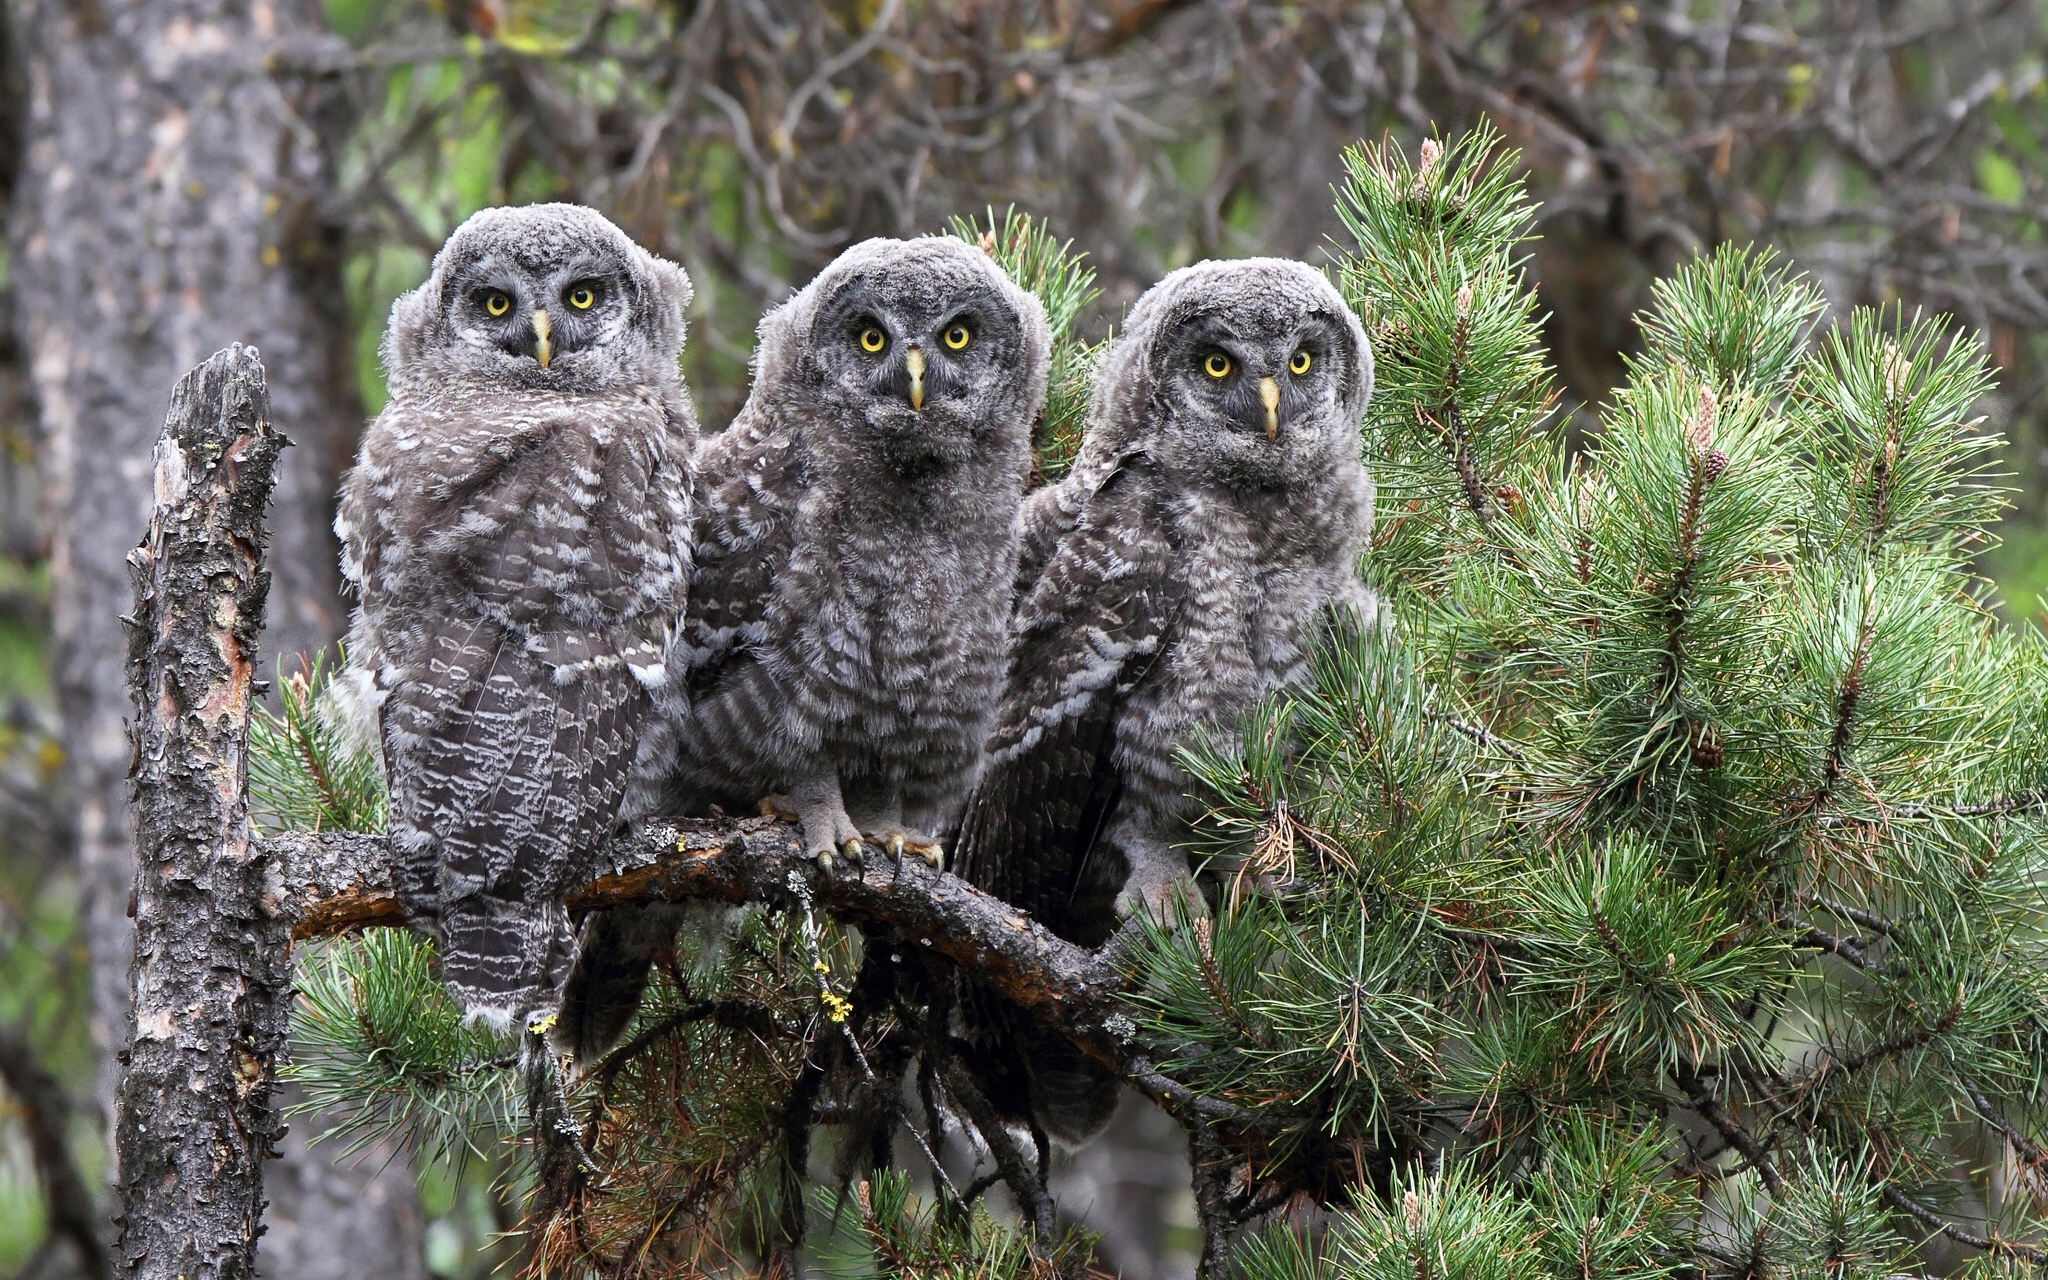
(856, 537)
(517, 529)
(1212, 522)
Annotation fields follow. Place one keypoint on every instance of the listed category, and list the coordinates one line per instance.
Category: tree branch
(326, 884)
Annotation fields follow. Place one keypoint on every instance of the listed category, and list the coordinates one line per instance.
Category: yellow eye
(581, 299)
(497, 304)
(1300, 363)
(957, 337)
(1217, 365)
(872, 340)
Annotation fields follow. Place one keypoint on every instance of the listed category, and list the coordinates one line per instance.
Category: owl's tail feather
(614, 956)
(503, 961)
(1034, 1075)
(1072, 1095)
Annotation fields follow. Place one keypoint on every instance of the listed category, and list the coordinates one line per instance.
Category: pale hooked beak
(914, 362)
(541, 327)
(1269, 395)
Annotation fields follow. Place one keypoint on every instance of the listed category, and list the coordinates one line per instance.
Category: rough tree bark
(174, 197)
(327, 884)
(211, 979)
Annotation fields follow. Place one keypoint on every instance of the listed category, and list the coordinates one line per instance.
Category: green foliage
(305, 772)
(1434, 270)
(1047, 267)
(1670, 874)
(881, 1229)
(1443, 1226)
(377, 1043)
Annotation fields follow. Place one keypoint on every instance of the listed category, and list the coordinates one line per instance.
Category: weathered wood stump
(211, 975)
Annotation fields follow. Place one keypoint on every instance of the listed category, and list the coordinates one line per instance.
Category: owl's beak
(914, 363)
(1269, 395)
(541, 326)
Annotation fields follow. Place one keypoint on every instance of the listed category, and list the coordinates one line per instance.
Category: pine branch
(1017, 1175)
(1990, 1244)
(1708, 1107)
(326, 884)
(1854, 915)
(1821, 940)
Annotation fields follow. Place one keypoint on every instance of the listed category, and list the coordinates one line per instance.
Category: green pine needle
(1047, 267)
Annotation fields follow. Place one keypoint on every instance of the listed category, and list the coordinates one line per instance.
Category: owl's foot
(899, 840)
(826, 828)
(1158, 898)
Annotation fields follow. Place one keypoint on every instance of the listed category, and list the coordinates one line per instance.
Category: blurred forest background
(179, 174)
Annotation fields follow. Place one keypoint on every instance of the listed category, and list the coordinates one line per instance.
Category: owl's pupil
(1218, 366)
(956, 337)
(1300, 362)
(581, 299)
(498, 304)
(871, 340)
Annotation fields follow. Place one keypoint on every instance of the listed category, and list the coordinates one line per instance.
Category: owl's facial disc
(1258, 385)
(909, 365)
(541, 315)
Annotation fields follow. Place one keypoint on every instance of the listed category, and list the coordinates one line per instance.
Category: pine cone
(1705, 743)
(1712, 465)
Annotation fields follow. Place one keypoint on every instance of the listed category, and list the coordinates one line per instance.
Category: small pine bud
(986, 241)
(1425, 169)
(1893, 364)
(1411, 1204)
(1699, 432)
(1464, 300)
(1508, 496)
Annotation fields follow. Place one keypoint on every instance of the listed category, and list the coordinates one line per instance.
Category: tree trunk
(171, 199)
(212, 974)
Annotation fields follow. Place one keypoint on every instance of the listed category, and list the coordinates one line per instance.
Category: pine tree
(1656, 893)
(1662, 895)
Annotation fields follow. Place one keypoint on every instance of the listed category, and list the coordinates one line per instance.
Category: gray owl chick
(856, 539)
(1177, 574)
(517, 529)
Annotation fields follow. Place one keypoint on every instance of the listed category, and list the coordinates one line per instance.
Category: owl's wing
(749, 485)
(512, 739)
(1086, 632)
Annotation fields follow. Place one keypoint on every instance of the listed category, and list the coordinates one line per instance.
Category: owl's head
(540, 297)
(919, 352)
(1254, 370)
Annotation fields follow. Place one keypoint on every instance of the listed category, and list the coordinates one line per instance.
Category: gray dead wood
(210, 982)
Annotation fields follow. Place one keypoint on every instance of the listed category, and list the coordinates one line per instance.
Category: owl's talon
(780, 808)
(853, 849)
(934, 856)
(824, 857)
(895, 846)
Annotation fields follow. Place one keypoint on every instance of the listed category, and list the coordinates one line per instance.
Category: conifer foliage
(1662, 894)
(1656, 892)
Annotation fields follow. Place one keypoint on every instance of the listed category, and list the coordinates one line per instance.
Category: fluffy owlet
(856, 538)
(517, 528)
(1211, 523)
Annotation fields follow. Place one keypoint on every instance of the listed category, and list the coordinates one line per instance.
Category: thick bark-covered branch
(211, 977)
(333, 883)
